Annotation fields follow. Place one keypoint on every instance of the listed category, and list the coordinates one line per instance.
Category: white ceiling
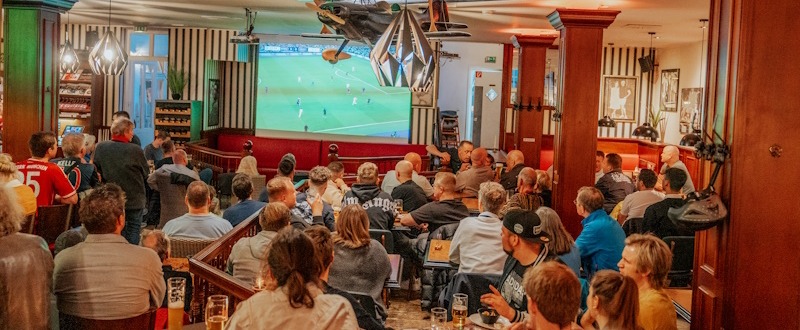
(675, 21)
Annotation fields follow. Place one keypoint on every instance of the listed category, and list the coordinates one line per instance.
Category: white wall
(455, 75)
(686, 58)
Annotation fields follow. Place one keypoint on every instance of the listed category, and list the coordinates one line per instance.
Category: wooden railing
(384, 163)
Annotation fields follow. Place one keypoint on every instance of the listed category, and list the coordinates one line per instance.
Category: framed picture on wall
(619, 98)
(213, 102)
(684, 128)
(669, 89)
(690, 104)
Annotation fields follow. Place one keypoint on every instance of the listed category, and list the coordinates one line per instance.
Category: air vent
(642, 26)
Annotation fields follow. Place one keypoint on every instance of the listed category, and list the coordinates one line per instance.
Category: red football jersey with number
(46, 180)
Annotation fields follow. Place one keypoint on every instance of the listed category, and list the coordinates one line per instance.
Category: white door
(485, 104)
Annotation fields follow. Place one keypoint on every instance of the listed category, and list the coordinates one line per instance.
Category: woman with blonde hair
(613, 302)
(561, 242)
(248, 165)
(544, 185)
(9, 178)
(360, 264)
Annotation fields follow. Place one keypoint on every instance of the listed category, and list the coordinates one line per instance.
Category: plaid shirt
(523, 201)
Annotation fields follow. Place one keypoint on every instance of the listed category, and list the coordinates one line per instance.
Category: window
(161, 45)
(140, 44)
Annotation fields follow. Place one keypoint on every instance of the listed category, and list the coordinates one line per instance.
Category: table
(195, 326)
(438, 255)
(472, 205)
(682, 299)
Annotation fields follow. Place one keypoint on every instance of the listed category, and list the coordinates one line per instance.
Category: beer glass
(216, 312)
(177, 289)
(459, 310)
(438, 318)
(398, 205)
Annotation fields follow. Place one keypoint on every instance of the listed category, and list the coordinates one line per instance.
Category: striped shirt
(523, 201)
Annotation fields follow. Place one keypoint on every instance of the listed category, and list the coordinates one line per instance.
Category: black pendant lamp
(606, 121)
(68, 57)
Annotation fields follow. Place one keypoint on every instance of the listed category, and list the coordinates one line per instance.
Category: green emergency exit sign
(491, 59)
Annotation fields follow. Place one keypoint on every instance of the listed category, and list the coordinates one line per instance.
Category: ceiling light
(412, 64)
(107, 56)
(68, 57)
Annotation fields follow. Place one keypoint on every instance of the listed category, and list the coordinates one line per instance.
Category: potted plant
(659, 122)
(176, 79)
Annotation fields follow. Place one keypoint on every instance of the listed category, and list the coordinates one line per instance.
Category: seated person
(9, 179)
(598, 165)
(468, 182)
(243, 189)
(671, 159)
(244, 262)
(614, 185)
(525, 242)
(26, 270)
(554, 296)
(515, 162)
(323, 249)
(647, 260)
(286, 169)
(336, 188)
(159, 242)
(476, 246)
(390, 181)
(199, 222)
(105, 277)
(69, 238)
(602, 239)
(655, 218)
(636, 203)
(457, 159)
(378, 204)
(297, 302)
(613, 302)
(544, 184)
(317, 184)
(407, 190)
(179, 165)
(526, 198)
(82, 176)
(360, 264)
(48, 181)
(281, 190)
(561, 242)
(168, 147)
(248, 165)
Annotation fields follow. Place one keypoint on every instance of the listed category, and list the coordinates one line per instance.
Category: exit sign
(141, 28)
(491, 59)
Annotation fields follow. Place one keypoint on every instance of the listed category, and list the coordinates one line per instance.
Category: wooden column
(31, 32)
(580, 55)
(530, 92)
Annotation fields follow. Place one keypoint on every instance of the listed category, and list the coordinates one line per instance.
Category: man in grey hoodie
(366, 192)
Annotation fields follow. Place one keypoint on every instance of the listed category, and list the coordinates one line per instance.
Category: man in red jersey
(46, 179)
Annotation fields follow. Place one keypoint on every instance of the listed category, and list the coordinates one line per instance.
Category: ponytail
(292, 267)
(619, 299)
(297, 291)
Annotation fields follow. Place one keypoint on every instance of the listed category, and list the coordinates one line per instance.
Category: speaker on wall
(646, 63)
(92, 37)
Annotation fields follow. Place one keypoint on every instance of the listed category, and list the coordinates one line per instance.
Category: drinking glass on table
(177, 289)
(459, 310)
(398, 205)
(216, 312)
(438, 318)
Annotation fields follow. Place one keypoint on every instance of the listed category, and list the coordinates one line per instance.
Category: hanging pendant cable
(702, 50)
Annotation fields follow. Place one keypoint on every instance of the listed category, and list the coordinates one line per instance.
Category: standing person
(336, 188)
(671, 159)
(456, 159)
(477, 244)
(378, 204)
(81, 175)
(121, 162)
(614, 184)
(122, 114)
(8, 179)
(647, 260)
(47, 180)
(613, 302)
(515, 162)
(602, 239)
(634, 205)
(167, 148)
(153, 150)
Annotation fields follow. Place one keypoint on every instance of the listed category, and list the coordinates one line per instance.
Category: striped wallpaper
(424, 117)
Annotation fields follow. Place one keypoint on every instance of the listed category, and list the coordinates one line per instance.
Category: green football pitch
(327, 107)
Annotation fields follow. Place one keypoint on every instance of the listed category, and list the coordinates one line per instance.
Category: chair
(632, 226)
(384, 237)
(682, 247)
(172, 198)
(51, 221)
(434, 280)
(144, 321)
(224, 189)
(27, 225)
(259, 182)
(471, 284)
(367, 303)
(184, 247)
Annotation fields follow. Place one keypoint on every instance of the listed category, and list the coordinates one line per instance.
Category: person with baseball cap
(524, 240)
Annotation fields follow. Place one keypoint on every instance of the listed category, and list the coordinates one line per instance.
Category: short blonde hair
(7, 166)
(10, 212)
(654, 255)
(120, 126)
(368, 173)
(72, 144)
(543, 180)
(352, 228)
(274, 217)
(446, 181)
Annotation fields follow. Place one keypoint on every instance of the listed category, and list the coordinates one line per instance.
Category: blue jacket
(601, 242)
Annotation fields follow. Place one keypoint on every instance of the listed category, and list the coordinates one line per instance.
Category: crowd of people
(314, 254)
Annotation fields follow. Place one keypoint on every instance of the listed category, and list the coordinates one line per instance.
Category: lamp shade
(691, 139)
(68, 58)
(606, 121)
(403, 57)
(646, 131)
(107, 56)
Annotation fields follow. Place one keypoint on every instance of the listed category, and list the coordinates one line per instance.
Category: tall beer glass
(459, 310)
(216, 312)
(177, 290)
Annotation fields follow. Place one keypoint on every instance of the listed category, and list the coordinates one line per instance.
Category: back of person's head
(10, 212)
(71, 144)
(336, 167)
(527, 176)
(600, 154)
(41, 142)
(197, 195)
(415, 160)
(277, 187)
(274, 217)
(319, 175)
(352, 228)
(617, 297)
(101, 209)
(286, 165)
(293, 263)
(120, 114)
(179, 157)
(492, 196)
(561, 241)
(168, 147)
(120, 126)
(242, 186)
(323, 245)
(648, 178)
(543, 180)
(163, 135)
(653, 255)
(248, 165)
(676, 177)
(7, 167)
(159, 242)
(479, 156)
(590, 198)
(89, 141)
(614, 160)
(404, 168)
(368, 173)
(446, 181)
(555, 290)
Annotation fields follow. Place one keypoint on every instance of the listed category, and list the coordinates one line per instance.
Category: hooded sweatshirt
(378, 204)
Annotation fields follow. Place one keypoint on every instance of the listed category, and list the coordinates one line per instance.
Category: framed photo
(684, 128)
(690, 105)
(669, 89)
(620, 98)
(213, 102)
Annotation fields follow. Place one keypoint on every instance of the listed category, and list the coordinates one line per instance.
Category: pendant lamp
(68, 57)
(403, 57)
(695, 136)
(606, 121)
(646, 130)
(107, 56)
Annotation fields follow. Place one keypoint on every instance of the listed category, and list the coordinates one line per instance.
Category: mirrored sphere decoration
(403, 57)
(108, 57)
(69, 59)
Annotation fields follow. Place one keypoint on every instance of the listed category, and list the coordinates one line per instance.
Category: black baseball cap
(287, 164)
(526, 224)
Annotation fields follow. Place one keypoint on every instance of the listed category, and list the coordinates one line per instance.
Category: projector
(244, 39)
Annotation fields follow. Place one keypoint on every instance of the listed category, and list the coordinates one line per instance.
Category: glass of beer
(459, 310)
(177, 289)
(398, 205)
(438, 318)
(216, 312)
(499, 169)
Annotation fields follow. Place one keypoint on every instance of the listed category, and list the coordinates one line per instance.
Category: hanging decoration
(107, 56)
(403, 57)
(68, 57)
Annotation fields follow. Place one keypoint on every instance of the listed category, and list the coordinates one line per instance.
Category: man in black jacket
(655, 218)
(366, 192)
(614, 185)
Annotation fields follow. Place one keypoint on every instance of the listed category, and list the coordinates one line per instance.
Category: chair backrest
(384, 237)
(471, 284)
(173, 198)
(27, 225)
(183, 247)
(52, 220)
(367, 303)
(225, 182)
(145, 321)
(259, 182)
(632, 226)
(682, 248)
